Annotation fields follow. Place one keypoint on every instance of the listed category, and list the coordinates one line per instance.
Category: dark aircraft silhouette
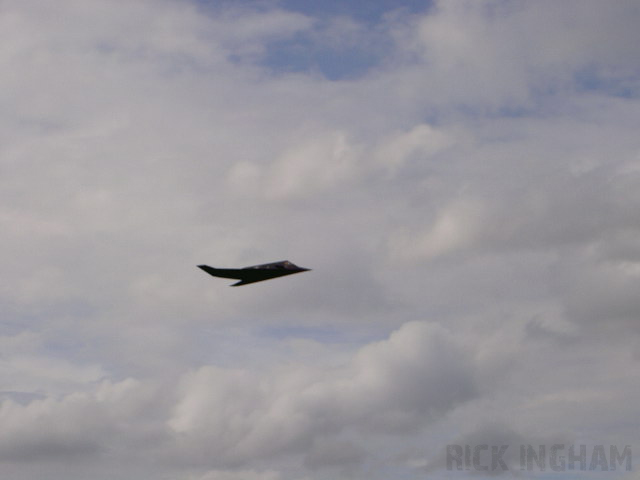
(256, 273)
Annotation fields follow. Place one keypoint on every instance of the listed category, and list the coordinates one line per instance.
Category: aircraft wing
(245, 275)
(246, 281)
(223, 272)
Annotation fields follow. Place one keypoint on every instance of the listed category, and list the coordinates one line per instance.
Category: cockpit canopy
(283, 265)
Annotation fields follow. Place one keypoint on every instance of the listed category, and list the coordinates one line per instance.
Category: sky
(463, 179)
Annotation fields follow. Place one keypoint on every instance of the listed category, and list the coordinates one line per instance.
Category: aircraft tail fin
(208, 269)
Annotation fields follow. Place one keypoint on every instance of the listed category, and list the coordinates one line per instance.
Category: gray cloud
(497, 435)
(481, 178)
(393, 386)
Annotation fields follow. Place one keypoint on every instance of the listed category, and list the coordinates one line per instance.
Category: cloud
(480, 55)
(77, 425)
(466, 196)
(456, 227)
(392, 386)
(317, 165)
(496, 435)
(334, 453)
(240, 475)
(225, 417)
(421, 141)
